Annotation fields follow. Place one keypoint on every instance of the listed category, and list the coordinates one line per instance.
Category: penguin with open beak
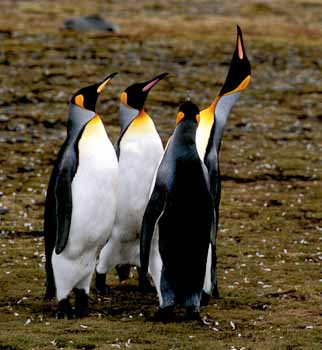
(178, 221)
(209, 137)
(139, 150)
(80, 204)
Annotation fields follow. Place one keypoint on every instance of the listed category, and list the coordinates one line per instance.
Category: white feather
(94, 196)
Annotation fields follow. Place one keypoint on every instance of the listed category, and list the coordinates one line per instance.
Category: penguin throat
(127, 115)
(142, 124)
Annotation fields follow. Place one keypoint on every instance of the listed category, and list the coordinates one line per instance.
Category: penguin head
(238, 76)
(135, 95)
(188, 111)
(86, 97)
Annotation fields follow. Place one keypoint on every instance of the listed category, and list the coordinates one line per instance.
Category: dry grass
(270, 236)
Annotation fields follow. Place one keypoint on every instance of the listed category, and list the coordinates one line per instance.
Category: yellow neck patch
(141, 125)
(242, 86)
(94, 129)
(207, 119)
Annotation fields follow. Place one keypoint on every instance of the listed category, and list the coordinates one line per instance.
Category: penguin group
(137, 203)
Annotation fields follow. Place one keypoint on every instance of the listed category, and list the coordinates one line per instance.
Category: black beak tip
(112, 75)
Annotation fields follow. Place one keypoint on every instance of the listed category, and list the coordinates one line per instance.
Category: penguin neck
(127, 115)
(185, 133)
(77, 119)
(204, 130)
(222, 110)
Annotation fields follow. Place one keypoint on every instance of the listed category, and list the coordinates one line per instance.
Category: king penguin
(80, 205)
(209, 136)
(139, 150)
(178, 220)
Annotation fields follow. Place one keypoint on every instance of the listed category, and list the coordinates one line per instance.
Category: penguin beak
(104, 82)
(240, 44)
(149, 84)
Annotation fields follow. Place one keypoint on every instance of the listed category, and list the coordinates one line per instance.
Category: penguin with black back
(213, 121)
(80, 204)
(178, 221)
(139, 150)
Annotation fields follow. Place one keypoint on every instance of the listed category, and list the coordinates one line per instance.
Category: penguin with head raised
(209, 136)
(139, 150)
(80, 205)
(178, 220)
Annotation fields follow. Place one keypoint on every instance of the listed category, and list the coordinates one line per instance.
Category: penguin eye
(79, 100)
(180, 116)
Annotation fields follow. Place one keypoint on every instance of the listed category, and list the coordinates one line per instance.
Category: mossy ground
(269, 244)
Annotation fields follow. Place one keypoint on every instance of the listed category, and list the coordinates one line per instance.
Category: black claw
(50, 293)
(215, 292)
(145, 285)
(64, 310)
(205, 297)
(81, 303)
(192, 314)
(100, 285)
(166, 315)
(123, 271)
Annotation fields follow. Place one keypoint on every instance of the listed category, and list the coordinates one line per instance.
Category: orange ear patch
(124, 98)
(79, 99)
(180, 116)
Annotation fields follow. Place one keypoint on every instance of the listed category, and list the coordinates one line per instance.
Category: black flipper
(212, 164)
(63, 196)
(58, 205)
(152, 213)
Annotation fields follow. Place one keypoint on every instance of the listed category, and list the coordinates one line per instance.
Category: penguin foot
(100, 286)
(145, 285)
(215, 292)
(123, 271)
(192, 314)
(64, 310)
(165, 315)
(81, 303)
(50, 293)
(205, 297)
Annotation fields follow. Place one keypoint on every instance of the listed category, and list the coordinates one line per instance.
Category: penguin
(177, 223)
(209, 137)
(80, 205)
(139, 150)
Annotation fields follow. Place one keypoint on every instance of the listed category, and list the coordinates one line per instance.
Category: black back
(182, 202)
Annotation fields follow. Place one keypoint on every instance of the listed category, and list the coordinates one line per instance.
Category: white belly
(138, 162)
(94, 192)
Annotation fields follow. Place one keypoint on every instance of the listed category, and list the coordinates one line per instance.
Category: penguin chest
(140, 153)
(204, 131)
(94, 188)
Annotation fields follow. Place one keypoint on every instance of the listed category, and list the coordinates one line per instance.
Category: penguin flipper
(63, 197)
(212, 165)
(151, 216)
